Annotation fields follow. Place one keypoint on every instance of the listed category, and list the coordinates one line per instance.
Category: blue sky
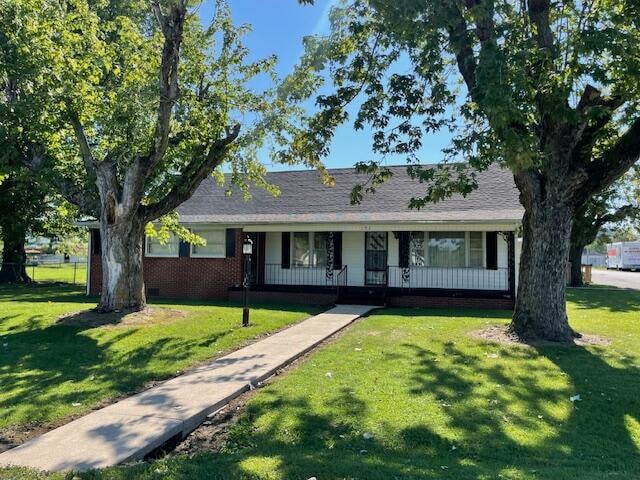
(278, 27)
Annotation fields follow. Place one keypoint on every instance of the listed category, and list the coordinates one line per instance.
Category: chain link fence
(72, 272)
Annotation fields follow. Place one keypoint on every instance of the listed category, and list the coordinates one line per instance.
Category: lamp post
(247, 250)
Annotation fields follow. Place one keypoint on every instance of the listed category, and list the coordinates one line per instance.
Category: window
(476, 252)
(301, 249)
(320, 243)
(310, 249)
(215, 246)
(416, 249)
(447, 249)
(155, 249)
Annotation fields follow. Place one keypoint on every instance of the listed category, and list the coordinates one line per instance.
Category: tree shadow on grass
(452, 313)
(504, 422)
(612, 300)
(44, 371)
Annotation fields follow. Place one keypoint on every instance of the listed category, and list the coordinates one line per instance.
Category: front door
(257, 258)
(375, 258)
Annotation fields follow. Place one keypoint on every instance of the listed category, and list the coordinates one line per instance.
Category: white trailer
(623, 255)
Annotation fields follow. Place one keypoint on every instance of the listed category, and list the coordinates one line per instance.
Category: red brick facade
(423, 301)
(306, 298)
(185, 277)
(211, 278)
(411, 301)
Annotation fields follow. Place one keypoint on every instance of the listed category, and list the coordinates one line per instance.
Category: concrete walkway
(133, 427)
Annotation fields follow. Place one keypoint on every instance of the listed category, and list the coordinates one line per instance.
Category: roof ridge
(352, 169)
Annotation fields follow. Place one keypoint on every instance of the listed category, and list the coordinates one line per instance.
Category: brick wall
(450, 302)
(195, 278)
(309, 298)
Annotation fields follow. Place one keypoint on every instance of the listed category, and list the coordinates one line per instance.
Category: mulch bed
(501, 334)
(148, 316)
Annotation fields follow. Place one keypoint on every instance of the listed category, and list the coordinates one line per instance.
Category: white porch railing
(451, 278)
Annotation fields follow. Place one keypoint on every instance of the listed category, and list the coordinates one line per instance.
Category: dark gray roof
(304, 199)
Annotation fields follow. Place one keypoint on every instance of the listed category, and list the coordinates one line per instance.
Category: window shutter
(404, 240)
(184, 249)
(230, 242)
(96, 242)
(492, 250)
(286, 250)
(337, 250)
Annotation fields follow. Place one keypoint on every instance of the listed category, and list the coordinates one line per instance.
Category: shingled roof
(304, 199)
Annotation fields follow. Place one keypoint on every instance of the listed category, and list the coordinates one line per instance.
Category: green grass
(45, 368)
(440, 405)
(61, 272)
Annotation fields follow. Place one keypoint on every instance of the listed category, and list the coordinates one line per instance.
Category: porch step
(363, 296)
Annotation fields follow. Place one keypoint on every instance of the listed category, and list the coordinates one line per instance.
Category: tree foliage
(618, 204)
(548, 90)
(131, 104)
(87, 95)
(493, 73)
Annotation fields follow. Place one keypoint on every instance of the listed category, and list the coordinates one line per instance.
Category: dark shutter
(184, 249)
(96, 242)
(230, 242)
(492, 250)
(286, 250)
(337, 250)
(404, 241)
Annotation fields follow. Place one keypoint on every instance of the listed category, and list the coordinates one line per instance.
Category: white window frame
(196, 230)
(467, 253)
(483, 248)
(160, 255)
(312, 250)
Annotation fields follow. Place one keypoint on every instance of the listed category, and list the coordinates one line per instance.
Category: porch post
(511, 260)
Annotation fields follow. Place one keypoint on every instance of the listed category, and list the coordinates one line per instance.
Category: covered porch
(448, 260)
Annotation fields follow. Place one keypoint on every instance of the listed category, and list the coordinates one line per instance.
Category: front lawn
(439, 404)
(442, 405)
(50, 371)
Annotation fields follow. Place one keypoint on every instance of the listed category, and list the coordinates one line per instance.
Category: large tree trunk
(14, 258)
(575, 259)
(122, 277)
(540, 311)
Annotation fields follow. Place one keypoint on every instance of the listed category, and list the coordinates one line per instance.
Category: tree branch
(191, 178)
(619, 158)
(622, 213)
(86, 201)
(172, 26)
(596, 111)
(539, 16)
(460, 41)
(85, 149)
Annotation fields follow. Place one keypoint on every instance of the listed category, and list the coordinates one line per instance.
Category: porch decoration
(330, 257)
(404, 253)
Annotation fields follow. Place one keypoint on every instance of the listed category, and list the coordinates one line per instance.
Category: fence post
(75, 267)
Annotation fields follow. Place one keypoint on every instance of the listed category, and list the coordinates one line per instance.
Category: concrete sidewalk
(135, 426)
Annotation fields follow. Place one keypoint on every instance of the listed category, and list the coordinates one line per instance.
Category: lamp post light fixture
(247, 250)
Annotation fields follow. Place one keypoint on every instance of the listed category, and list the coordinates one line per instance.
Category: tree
(25, 196)
(21, 200)
(29, 208)
(614, 205)
(148, 103)
(548, 90)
